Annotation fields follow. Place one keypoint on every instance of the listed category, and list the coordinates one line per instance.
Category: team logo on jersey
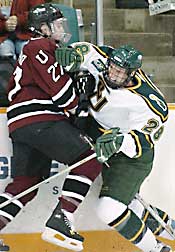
(99, 65)
(159, 102)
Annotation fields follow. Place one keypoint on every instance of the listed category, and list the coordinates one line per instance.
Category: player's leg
(137, 207)
(63, 142)
(7, 49)
(26, 172)
(66, 144)
(60, 230)
(121, 181)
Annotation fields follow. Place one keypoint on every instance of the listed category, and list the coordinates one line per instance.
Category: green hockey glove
(108, 144)
(69, 57)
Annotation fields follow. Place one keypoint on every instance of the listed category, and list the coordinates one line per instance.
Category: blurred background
(146, 25)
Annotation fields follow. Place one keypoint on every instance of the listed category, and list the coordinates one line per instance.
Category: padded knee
(137, 207)
(90, 169)
(109, 209)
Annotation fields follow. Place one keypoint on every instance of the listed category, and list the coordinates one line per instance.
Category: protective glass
(60, 30)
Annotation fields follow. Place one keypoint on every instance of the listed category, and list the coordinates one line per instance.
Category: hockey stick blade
(168, 228)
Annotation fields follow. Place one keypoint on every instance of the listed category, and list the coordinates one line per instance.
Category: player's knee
(137, 208)
(110, 210)
(90, 169)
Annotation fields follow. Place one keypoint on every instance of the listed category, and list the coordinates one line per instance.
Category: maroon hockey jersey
(39, 89)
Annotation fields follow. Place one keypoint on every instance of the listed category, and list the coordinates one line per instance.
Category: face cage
(60, 31)
(113, 83)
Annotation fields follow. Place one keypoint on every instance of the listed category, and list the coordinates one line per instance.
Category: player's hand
(69, 58)
(85, 83)
(11, 23)
(108, 144)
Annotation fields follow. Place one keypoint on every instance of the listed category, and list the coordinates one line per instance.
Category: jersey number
(151, 125)
(100, 99)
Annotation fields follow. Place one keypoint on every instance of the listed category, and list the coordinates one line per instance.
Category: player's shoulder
(36, 44)
(76, 44)
(87, 47)
(146, 89)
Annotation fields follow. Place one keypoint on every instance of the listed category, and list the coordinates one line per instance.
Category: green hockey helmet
(127, 57)
(125, 60)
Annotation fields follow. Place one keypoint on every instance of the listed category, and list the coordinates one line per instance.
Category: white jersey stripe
(62, 91)
(9, 216)
(29, 102)
(69, 101)
(72, 194)
(25, 115)
(81, 179)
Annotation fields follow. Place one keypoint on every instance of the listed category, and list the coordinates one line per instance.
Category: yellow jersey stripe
(150, 83)
(137, 143)
(132, 89)
(149, 140)
(138, 233)
(159, 227)
(100, 51)
(123, 219)
(146, 216)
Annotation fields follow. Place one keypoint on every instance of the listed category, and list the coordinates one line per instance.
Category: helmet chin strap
(46, 36)
(38, 32)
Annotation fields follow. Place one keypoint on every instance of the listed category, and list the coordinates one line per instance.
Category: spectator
(6, 69)
(13, 26)
(13, 36)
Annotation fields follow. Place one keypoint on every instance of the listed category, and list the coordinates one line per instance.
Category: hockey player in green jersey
(131, 112)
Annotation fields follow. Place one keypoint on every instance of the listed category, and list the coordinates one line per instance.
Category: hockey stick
(48, 180)
(168, 228)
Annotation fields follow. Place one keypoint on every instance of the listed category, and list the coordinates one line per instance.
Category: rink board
(23, 235)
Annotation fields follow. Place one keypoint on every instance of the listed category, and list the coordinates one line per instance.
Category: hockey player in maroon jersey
(39, 94)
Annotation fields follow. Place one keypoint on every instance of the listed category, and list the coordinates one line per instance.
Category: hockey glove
(83, 105)
(69, 57)
(85, 83)
(108, 144)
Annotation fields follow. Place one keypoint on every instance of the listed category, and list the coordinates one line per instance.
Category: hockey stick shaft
(48, 180)
(156, 216)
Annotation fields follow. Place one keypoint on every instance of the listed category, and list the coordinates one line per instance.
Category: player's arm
(133, 144)
(79, 55)
(69, 57)
(72, 56)
(143, 136)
